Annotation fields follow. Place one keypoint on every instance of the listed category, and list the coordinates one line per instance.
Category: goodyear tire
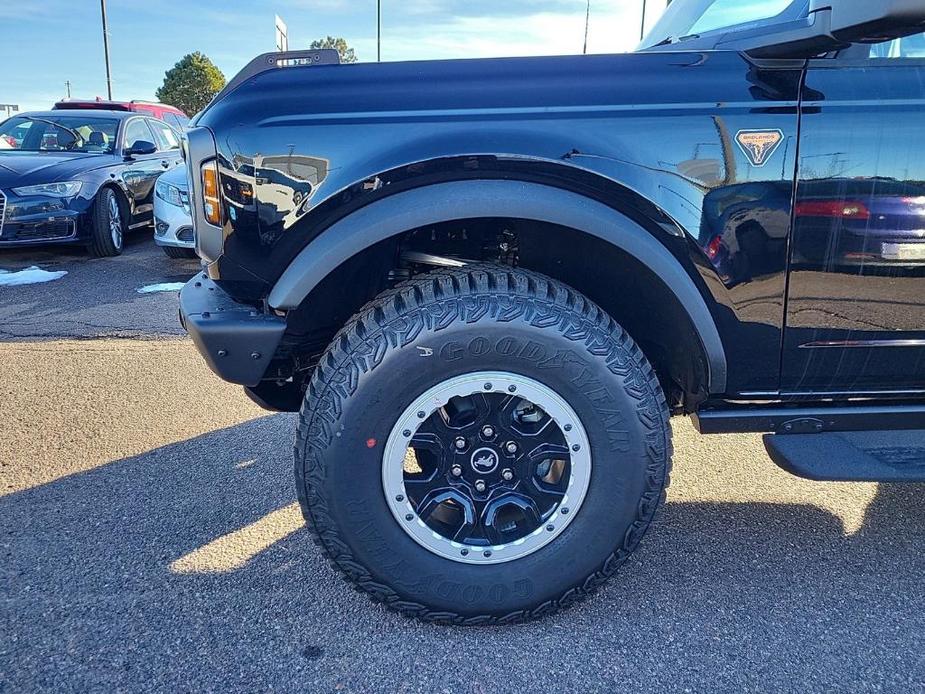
(481, 445)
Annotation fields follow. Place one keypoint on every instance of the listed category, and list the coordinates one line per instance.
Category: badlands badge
(759, 145)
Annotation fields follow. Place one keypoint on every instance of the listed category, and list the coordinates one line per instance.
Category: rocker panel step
(857, 456)
(805, 420)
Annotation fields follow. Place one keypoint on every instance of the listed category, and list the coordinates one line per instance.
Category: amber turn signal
(211, 198)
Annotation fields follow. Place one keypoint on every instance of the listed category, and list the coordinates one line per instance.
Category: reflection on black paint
(856, 310)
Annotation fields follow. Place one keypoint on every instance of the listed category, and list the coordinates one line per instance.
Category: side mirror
(853, 21)
(141, 147)
(830, 25)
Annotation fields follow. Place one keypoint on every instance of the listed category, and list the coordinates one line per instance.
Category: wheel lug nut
(507, 474)
(460, 443)
(480, 485)
(488, 431)
(456, 471)
(510, 447)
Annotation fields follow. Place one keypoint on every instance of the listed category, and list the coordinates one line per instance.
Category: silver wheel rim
(115, 222)
(393, 462)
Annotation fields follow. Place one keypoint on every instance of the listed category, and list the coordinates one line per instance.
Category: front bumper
(173, 225)
(40, 220)
(236, 340)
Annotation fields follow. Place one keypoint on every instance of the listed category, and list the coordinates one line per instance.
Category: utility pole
(379, 31)
(642, 28)
(106, 50)
(67, 84)
(584, 51)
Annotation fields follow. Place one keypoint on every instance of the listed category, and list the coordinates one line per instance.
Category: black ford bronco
(487, 284)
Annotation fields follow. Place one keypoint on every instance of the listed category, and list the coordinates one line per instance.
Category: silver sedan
(173, 226)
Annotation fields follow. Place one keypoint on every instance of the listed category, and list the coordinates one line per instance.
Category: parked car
(165, 112)
(173, 225)
(487, 284)
(81, 176)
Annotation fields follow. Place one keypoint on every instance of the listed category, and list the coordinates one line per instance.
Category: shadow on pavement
(732, 596)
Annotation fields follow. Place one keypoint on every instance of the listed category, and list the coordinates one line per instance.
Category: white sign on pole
(282, 35)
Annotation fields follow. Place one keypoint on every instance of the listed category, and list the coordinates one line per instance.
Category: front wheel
(107, 225)
(481, 445)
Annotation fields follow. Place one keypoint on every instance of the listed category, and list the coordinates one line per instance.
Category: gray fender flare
(444, 202)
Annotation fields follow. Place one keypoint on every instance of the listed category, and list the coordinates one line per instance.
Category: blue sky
(45, 42)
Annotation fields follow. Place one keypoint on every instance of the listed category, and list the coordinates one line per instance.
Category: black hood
(32, 168)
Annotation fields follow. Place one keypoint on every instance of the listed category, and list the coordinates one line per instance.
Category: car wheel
(178, 253)
(108, 225)
(481, 445)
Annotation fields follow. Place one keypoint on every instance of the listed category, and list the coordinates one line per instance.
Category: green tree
(347, 54)
(191, 83)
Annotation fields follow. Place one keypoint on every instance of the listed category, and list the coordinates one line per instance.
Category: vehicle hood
(176, 177)
(30, 168)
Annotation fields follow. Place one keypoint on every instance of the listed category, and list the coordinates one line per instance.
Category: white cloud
(614, 27)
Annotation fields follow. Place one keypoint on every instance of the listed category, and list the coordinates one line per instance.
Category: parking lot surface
(150, 541)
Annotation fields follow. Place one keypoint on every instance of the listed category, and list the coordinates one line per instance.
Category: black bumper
(237, 341)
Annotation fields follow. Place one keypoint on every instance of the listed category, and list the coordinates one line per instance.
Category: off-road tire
(378, 364)
(101, 241)
(179, 253)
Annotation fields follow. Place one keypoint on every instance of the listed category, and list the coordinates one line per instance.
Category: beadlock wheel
(487, 467)
(481, 445)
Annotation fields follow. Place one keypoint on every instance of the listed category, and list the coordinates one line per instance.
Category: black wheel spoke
(548, 435)
(548, 496)
(548, 450)
(504, 519)
(434, 427)
(419, 487)
(449, 512)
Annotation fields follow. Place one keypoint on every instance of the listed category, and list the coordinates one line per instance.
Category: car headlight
(67, 189)
(168, 193)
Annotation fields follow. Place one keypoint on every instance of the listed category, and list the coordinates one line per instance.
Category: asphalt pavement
(149, 540)
(98, 297)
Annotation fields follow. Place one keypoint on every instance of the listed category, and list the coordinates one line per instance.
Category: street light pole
(106, 50)
(584, 51)
(378, 31)
(642, 29)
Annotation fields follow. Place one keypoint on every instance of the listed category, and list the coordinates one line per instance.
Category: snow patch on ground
(161, 287)
(31, 275)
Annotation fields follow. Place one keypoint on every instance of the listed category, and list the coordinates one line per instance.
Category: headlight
(68, 189)
(168, 193)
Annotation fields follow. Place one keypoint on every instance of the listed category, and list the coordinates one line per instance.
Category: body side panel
(856, 310)
(652, 135)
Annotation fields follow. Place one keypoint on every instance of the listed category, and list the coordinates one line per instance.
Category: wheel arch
(125, 202)
(399, 213)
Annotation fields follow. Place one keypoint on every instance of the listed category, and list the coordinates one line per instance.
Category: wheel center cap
(484, 460)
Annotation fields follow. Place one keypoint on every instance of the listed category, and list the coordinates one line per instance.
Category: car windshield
(71, 133)
(694, 17)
